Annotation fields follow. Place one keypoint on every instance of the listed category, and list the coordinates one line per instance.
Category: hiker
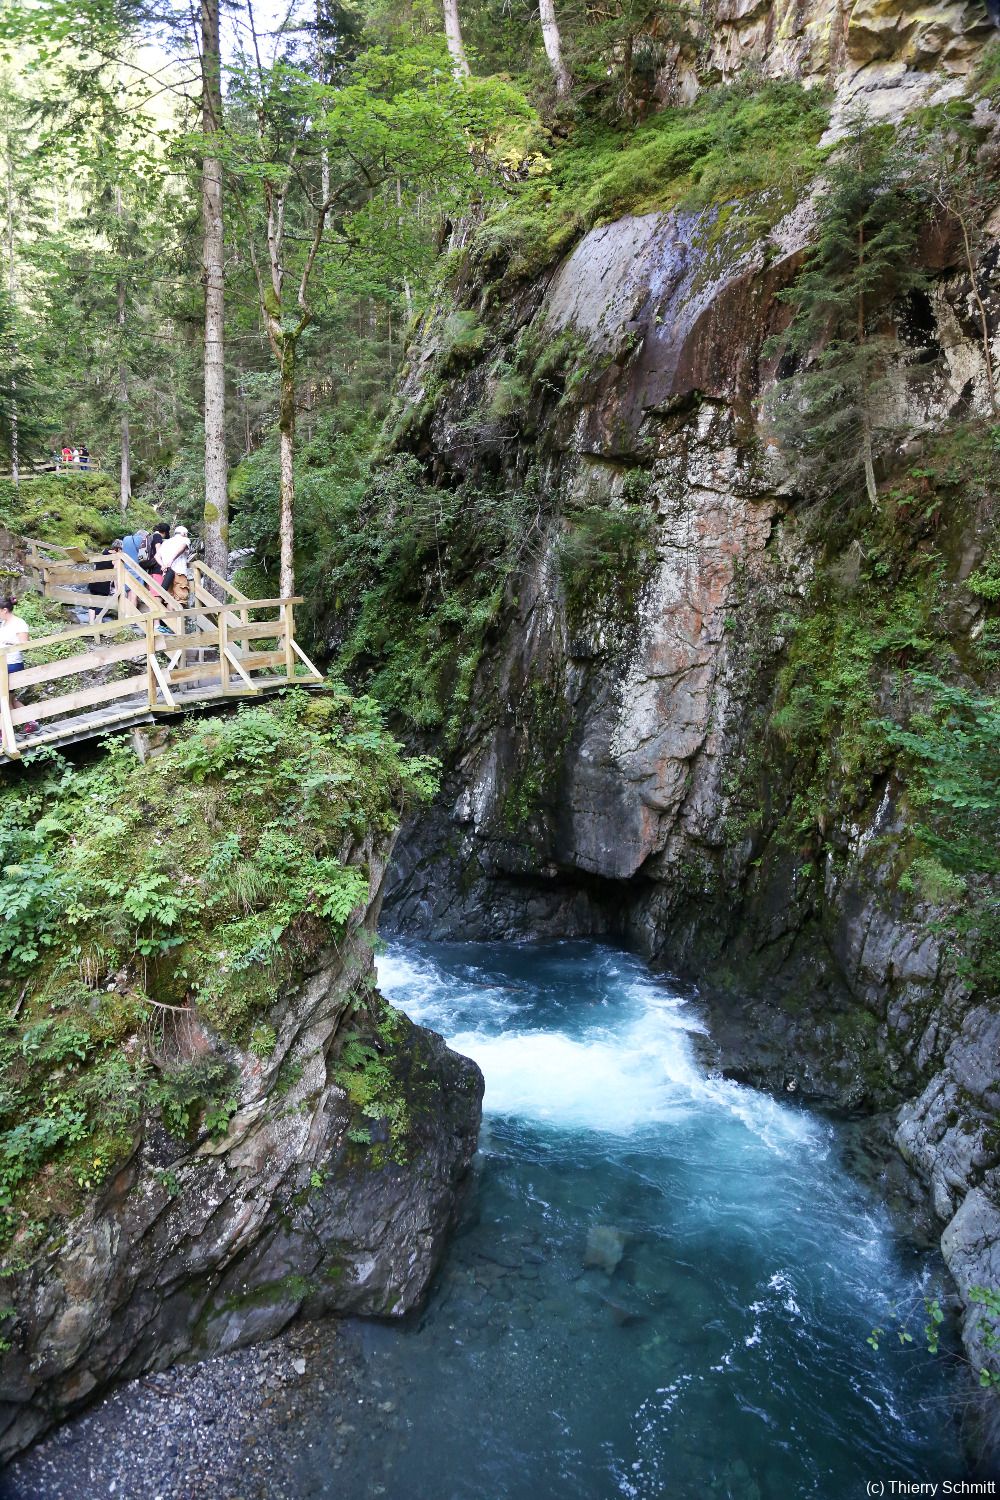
(134, 546)
(14, 634)
(67, 454)
(84, 456)
(105, 588)
(174, 558)
(151, 557)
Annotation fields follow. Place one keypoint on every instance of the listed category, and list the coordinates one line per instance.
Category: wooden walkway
(144, 655)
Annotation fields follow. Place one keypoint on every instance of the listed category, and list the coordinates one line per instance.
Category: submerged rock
(605, 1248)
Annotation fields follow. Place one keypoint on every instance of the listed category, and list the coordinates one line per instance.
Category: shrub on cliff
(835, 409)
(729, 144)
(184, 892)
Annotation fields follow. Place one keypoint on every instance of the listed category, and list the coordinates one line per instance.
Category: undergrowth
(68, 510)
(893, 672)
(732, 143)
(140, 900)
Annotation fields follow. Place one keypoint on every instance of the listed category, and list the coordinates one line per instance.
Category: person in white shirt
(174, 554)
(14, 634)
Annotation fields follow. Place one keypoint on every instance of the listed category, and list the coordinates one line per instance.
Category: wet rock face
(608, 739)
(597, 789)
(195, 1249)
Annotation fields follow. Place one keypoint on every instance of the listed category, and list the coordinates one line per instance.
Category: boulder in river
(605, 1247)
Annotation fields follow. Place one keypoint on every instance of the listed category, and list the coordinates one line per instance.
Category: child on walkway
(14, 634)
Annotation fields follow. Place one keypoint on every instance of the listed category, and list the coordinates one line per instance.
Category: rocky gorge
(681, 699)
(625, 758)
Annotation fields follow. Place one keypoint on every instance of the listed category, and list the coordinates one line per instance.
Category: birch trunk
(125, 479)
(15, 464)
(216, 520)
(286, 424)
(553, 46)
(456, 47)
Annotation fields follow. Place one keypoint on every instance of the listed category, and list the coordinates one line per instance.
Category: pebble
(202, 1431)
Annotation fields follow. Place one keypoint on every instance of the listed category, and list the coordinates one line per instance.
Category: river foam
(639, 1071)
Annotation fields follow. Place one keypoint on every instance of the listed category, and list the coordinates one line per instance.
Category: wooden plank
(200, 670)
(7, 736)
(224, 672)
(231, 589)
(162, 682)
(196, 638)
(104, 656)
(262, 630)
(253, 661)
(303, 657)
(47, 708)
(67, 573)
(82, 601)
(109, 627)
(288, 621)
(234, 661)
(242, 605)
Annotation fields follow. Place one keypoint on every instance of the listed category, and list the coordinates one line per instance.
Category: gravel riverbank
(226, 1429)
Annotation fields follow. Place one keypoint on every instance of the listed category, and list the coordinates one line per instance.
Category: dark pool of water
(663, 1283)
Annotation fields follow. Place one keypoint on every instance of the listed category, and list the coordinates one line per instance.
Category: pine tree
(18, 393)
(833, 411)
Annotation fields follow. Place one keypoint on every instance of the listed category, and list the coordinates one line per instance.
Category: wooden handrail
(200, 567)
(161, 631)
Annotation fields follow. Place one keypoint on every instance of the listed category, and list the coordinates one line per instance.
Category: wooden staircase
(146, 655)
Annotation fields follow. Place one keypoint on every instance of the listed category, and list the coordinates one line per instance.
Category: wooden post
(288, 617)
(6, 722)
(224, 669)
(119, 585)
(150, 625)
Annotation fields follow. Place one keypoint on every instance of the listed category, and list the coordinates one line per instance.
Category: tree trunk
(456, 47)
(15, 464)
(125, 482)
(553, 46)
(216, 528)
(868, 455)
(126, 468)
(286, 425)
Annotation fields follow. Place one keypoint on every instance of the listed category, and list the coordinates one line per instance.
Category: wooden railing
(215, 648)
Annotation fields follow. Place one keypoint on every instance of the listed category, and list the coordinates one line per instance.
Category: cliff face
(883, 53)
(618, 771)
(189, 1251)
(212, 1121)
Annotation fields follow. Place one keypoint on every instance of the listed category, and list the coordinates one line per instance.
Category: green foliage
(420, 571)
(988, 1298)
(202, 881)
(606, 553)
(732, 143)
(826, 711)
(373, 1089)
(877, 682)
(263, 1039)
(71, 510)
(463, 338)
(833, 410)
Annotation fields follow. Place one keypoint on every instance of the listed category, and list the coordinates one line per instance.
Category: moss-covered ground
(205, 879)
(732, 144)
(69, 510)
